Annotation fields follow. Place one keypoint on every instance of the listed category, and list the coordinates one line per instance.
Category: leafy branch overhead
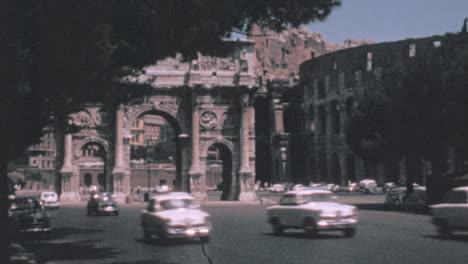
(67, 53)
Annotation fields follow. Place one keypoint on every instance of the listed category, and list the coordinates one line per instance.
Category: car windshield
(318, 197)
(293, 199)
(48, 195)
(25, 204)
(177, 203)
(456, 197)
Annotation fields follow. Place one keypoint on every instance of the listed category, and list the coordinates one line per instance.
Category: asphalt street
(241, 235)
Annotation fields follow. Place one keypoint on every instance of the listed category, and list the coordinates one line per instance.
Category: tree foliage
(67, 53)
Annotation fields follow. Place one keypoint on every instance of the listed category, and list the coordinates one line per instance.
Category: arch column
(247, 181)
(121, 180)
(197, 176)
(70, 181)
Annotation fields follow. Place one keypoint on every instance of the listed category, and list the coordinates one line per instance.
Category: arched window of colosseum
(321, 89)
(412, 50)
(311, 115)
(349, 80)
(322, 167)
(323, 119)
(349, 107)
(335, 117)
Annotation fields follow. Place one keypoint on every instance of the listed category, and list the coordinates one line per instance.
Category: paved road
(241, 235)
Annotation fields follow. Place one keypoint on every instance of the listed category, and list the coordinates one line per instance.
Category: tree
(416, 111)
(62, 54)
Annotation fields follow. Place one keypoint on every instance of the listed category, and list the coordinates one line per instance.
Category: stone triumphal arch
(208, 103)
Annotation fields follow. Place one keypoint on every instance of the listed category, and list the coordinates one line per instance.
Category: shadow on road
(302, 235)
(46, 251)
(152, 261)
(460, 238)
(383, 208)
(169, 242)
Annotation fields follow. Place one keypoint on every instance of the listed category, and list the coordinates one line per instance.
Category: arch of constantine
(208, 103)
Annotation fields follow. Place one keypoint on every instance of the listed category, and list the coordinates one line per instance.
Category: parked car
(352, 187)
(397, 198)
(175, 215)
(50, 200)
(162, 188)
(452, 213)
(394, 197)
(27, 214)
(387, 186)
(368, 186)
(102, 203)
(312, 211)
(276, 188)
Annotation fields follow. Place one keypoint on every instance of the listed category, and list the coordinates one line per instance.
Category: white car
(276, 188)
(175, 215)
(452, 213)
(312, 211)
(50, 200)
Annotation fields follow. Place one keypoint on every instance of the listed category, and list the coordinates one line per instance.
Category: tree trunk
(411, 170)
(4, 192)
(437, 185)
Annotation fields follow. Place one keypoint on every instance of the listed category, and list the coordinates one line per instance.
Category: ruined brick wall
(278, 55)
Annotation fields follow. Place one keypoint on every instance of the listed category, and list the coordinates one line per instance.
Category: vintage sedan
(27, 214)
(50, 200)
(452, 213)
(175, 215)
(312, 211)
(102, 203)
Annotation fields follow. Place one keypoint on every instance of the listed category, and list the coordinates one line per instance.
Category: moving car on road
(368, 186)
(312, 211)
(50, 200)
(102, 203)
(452, 213)
(27, 214)
(175, 215)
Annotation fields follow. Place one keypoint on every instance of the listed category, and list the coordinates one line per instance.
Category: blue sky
(391, 20)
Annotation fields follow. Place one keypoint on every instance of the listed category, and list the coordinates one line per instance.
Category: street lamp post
(147, 194)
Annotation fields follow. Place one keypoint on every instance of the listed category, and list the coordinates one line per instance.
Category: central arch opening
(93, 169)
(153, 153)
(219, 169)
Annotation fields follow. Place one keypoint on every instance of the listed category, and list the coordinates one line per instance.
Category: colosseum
(321, 105)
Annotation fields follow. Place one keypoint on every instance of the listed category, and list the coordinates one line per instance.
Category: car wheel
(205, 239)
(146, 235)
(445, 230)
(116, 213)
(309, 226)
(89, 212)
(278, 229)
(349, 232)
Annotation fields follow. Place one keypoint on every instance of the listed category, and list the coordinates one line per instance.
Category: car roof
(172, 195)
(308, 191)
(462, 188)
